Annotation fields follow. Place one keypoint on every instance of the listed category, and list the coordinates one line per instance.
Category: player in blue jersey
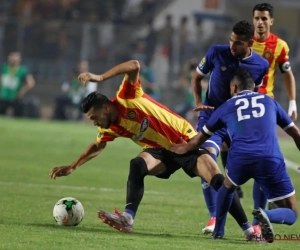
(221, 61)
(251, 120)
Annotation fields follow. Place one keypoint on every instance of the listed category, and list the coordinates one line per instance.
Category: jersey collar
(244, 91)
(251, 52)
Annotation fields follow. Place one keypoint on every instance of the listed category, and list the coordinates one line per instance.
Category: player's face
(262, 21)
(14, 59)
(239, 46)
(100, 117)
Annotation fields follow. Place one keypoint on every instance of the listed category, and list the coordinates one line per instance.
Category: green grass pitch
(170, 216)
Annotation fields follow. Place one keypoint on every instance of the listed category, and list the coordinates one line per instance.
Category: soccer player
(16, 81)
(221, 61)
(134, 115)
(276, 51)
(251, 119)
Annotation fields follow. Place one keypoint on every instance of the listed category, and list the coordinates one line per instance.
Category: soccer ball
(68, 212)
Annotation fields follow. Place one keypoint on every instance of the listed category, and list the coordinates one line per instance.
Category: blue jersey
(221, 65)
(250, 119)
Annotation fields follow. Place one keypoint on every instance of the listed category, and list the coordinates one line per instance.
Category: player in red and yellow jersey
(276, 51)
(134, 115)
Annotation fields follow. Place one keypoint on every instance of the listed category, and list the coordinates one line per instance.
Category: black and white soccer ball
(68, 211)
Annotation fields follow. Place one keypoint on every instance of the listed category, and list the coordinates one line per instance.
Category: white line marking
(292, 165)
(83, 188)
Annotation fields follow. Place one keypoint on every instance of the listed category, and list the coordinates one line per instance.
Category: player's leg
(259, 200)
(228, 201)
(204, 166)
(275, 182)
(224, 156)
(208, 192)
(147, 163)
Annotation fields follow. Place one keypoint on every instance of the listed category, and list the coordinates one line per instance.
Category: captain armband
(285, 67)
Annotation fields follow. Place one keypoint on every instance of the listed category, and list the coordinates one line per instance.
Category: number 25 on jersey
(258, 109)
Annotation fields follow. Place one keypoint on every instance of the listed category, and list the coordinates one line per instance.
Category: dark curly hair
(94, 99)
(244, 79)
(245, 29)
(264, 7)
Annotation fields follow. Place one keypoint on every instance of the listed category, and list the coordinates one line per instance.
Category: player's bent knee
(138, 169)
(207, 168)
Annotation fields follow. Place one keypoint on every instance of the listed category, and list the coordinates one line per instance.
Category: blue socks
(282, 216)
(224, 201)
(259, 199)
(210, 197)
(210, 194)
(130, 212)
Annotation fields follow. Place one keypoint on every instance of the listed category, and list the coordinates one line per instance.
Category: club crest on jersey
(144, 126)
(131, 114)
(223, 68)
(268, 54)
(100, 135)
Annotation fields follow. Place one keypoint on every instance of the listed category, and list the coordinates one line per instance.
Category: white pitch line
(292, 165)
(82, 188)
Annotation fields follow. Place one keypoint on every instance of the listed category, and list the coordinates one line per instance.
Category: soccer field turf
(170, 216)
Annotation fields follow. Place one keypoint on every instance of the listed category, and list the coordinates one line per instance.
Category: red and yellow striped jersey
(145, 121)
(275, 50)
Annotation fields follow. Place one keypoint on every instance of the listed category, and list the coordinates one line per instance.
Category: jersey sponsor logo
(131, 114)
(144, 126)
(268, 54)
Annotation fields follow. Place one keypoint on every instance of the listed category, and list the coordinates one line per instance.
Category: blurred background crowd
(45, 44)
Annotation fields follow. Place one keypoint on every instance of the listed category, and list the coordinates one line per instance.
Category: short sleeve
(215, 122)
(106, 135)
(206, 64)
(130, 91)
(283, 59)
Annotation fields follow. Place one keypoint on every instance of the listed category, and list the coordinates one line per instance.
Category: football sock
(282, 216)
(210, 194)
(236, 209)
(224, 155)
(259, 199)
(135, 185)
(224, 201)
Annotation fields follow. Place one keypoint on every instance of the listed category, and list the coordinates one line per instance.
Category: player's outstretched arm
(131, 69)
(192, 144)
(92, 151)
(290, 86)
(294, 132)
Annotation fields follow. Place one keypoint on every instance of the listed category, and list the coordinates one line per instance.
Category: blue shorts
(218, 137)
(269, 173)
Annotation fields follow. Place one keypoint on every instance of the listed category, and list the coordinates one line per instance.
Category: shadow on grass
(140, 233)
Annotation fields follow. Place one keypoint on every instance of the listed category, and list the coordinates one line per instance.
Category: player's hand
(294, 115)
(202, 107)
(84, 78)
(180, 148)
(61, 171)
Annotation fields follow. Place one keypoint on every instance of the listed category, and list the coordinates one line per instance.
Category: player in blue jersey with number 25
(251, 120)
(221, 61)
